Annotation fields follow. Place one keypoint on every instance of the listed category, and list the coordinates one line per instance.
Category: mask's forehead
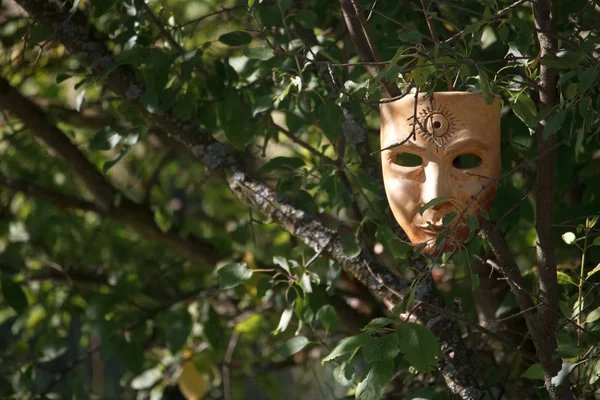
(441, 120)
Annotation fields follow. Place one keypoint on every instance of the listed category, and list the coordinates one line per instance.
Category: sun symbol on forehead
(436, 124)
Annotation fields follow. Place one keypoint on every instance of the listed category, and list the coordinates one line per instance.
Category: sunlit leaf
(284, 321)
(564, 279)
(569, 237)
(293, 346)
(346, 346)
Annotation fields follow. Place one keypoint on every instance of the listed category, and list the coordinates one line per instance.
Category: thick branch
(506, 264)
(36, 120)
(544, 15)
(53, 197)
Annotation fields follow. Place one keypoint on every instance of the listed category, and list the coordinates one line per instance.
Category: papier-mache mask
(454, 155)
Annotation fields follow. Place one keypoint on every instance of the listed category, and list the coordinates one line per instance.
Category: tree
(198, 182)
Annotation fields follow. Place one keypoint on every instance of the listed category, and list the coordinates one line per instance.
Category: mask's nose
(436, 183)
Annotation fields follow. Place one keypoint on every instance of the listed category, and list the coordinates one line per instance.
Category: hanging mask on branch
(441, 161)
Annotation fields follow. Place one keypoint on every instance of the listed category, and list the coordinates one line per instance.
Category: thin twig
(425, 5)
(227, 363)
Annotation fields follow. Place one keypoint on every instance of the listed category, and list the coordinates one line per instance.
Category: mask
(454, 155)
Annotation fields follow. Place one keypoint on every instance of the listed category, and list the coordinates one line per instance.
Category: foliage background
(126, 251)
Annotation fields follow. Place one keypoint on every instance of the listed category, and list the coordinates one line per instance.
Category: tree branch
(544, 15)
(53, 197)
(542, 339)
(35, 119)
(365, 46)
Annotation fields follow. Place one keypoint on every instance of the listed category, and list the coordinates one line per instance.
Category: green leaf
(568, 350)
(534, 371)
(132, 355)
(525, 109)
(564, 279)
(423, 72)
(146, 379)
(111, 163)
(592, 272)
(374, 384)
(432, 203)
(307, 18)
(593, 316)
(213, 329)
(569, 237)
(596, 241)
(105, 139)
(552, 61)
(284, 321)
(448, 217)
(381, 348)
(14, 295)
(293, 346)
(61, 78)
(305, 283)
(386, 70)
(39, 33)
(251, 3)
(232, 275)
(486, 88)
(474, 281)
(410, 36)
(586, 79)
(377, 323)
(554, 123)
(259, 53)
(281, 163)
(351, 247)
(283, 263)
(177, 326)
(595, 372)
(419, 346)
(236, 119)
(328, 317)
(407, 302)
(345, 346)
(237, 38)
(344, 374)
(79, 99)
(472, 222)
(330, 118)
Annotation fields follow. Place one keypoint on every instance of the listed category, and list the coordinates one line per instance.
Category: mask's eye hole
(408, 160)
(467, 161)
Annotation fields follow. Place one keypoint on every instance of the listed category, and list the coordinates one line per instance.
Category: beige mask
(455, 155)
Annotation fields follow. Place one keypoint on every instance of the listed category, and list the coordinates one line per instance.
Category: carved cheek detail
(403, 196)
(468, 189)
